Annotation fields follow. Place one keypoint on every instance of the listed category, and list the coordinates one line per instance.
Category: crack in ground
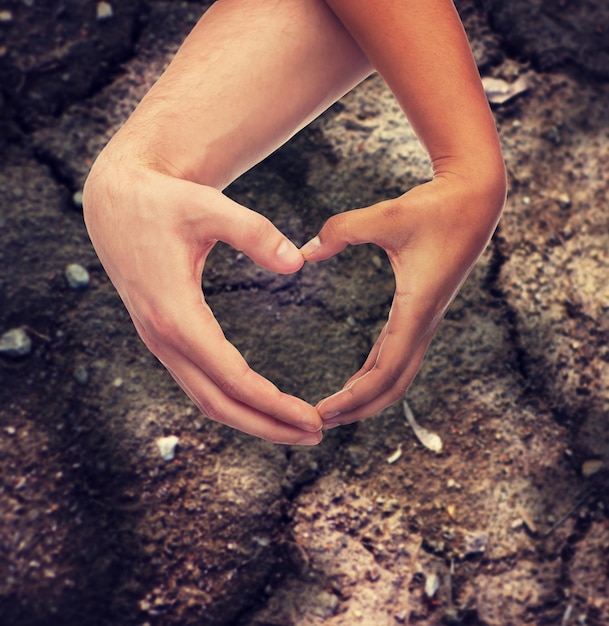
(492, 284)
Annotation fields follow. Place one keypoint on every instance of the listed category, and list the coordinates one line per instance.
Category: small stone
(10, 430)
(475, 543)
(390, 507)
(167, 447)
(104, 11)
(564, 200)
(400, 617)
(357, 455)
(15, 343)
(528, 521)
(77, 276)
(117, 382)
(591, 467)
(6, 17)
(77, 199)
(325, 604)
(81, 375)
(432, 584)
(373, 574)
(517, 524)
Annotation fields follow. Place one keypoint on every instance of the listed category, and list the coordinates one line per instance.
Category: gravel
(15, 343)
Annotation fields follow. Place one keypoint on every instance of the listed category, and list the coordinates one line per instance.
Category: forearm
(249, 75)
(422, 52)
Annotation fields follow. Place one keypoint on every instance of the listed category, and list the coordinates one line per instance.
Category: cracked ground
(506, 526)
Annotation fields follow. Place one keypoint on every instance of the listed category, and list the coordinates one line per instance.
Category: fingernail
(311, 246)
(331, 425)
(309, 427)
(288, 253)
(309, 440)
(329, 416)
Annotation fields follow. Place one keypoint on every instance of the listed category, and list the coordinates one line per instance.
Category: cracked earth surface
(508, 521)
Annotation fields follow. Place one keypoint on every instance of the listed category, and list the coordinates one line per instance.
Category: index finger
(390, 368)
(187, 338)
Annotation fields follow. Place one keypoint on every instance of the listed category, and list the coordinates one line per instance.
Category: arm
(251, 73)
(434, 233)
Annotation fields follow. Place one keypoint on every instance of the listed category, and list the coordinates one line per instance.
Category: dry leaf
(499, 91)
(430, 440)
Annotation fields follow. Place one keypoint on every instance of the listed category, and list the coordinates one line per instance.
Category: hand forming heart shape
(153, 233)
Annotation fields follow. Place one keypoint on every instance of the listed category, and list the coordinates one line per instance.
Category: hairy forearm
(249, 75)
(422, 52)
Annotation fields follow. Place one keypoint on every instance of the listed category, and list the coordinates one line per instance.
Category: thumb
(252, 234)
(351, 227)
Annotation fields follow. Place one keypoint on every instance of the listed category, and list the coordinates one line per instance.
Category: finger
(216, 405)
(406, 328)
(384, 399)
(190, 330)
(247, 231)
(349, 228)
(370, 360)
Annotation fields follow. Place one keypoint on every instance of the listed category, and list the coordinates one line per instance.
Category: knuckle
(396, 393)
(257, 231)
(158, 330)
(211, 410)
(229, 386)
(273, 437)
(391, 211)
(336, 227)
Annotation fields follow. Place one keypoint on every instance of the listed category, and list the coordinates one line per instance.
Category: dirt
(508, 525)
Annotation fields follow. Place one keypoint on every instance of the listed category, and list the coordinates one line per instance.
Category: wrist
(474, 197)
(484, 179)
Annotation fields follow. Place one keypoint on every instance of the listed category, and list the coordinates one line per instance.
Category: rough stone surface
(555, 34)
(66, 53)
(96, 528)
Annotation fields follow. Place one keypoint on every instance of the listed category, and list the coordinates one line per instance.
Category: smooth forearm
(422, 52)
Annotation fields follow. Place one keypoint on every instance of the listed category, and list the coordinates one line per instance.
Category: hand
(433, 235)
(153, 233)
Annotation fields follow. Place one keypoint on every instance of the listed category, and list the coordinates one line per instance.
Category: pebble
(373, 574)
(15, 343)
(81, 375)
(77, 276)
(401, 616)
(6, 17)
(390, 507)
(77, 199)
(104, 11)
(517, 524)
(325, 604)
(451, 509)
(591, 467)
(475, 543)
(432, 584)
(167, 447)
